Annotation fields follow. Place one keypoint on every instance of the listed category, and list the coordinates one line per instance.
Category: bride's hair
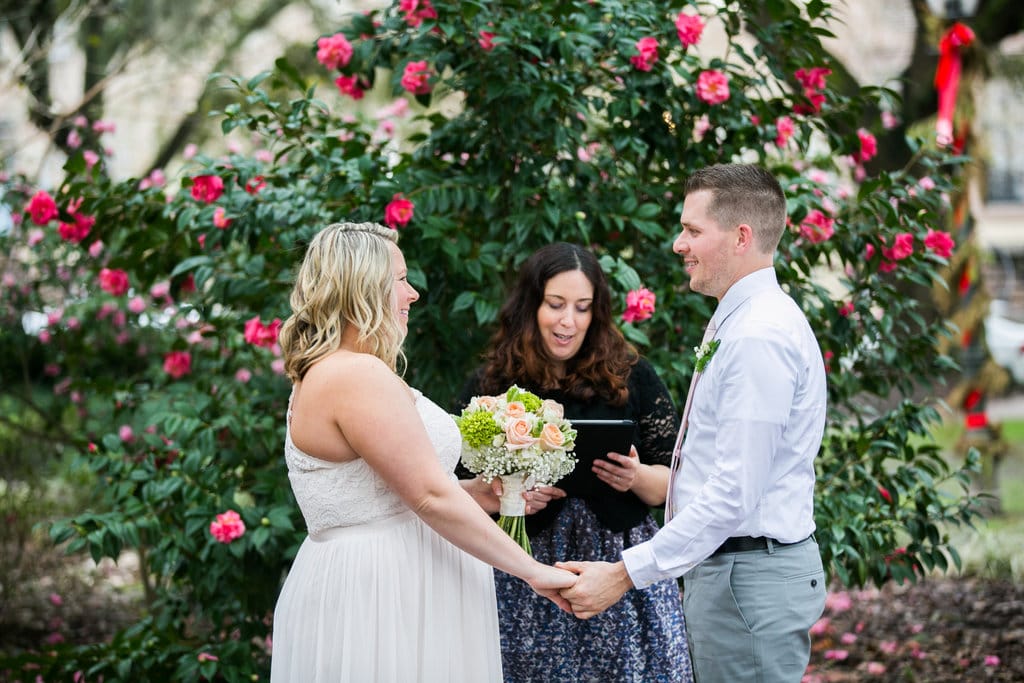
(346, 278)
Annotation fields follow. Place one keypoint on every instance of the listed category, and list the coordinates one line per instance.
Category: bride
(392, 582)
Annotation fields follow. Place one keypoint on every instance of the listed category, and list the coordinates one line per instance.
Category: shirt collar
(743, 289)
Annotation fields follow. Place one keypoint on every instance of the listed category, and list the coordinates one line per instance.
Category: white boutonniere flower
(702, 354)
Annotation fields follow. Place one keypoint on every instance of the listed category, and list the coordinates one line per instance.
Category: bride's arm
(376, 415)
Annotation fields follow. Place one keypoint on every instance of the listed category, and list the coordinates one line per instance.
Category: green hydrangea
(529, 400)
(478, 428)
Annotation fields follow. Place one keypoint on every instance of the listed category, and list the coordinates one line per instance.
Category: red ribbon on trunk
(947, 77)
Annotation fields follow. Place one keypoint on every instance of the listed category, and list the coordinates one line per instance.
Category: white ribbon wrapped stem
(513, 486)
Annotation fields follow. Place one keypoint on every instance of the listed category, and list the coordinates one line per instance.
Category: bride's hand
(547, 581)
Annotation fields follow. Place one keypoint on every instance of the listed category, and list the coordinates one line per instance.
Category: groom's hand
(599, 586)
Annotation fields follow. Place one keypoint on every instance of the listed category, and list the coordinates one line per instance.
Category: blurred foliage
(552, 134)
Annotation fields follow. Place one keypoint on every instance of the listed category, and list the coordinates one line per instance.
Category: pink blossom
(712, 87)
(416, 78)
(398, 212)
(35, 236)
(416, 11)
(54, 638)
(992, 660)
(258, 334)
(220, 218)
(114, 281)
(80, 121)
(486, 40)
(41, 208)
(848, 639)
(875, 668)
(96, 248)
(889, 120)
(846, 309)
(104, 126)
(817, 227)
(227, 527)
(91, 158)
(701, 127)
(903, 246)
(939, 243)
(207, 188)
(813, 78)
(72, 323)
(838, 602)
(242, 376)
(689, 29)
(784, 128)
(74, 139)
(190, 151)
(56, 599)
(334, 52)
(255, 184)
(206, 656)
(160, 290)
(154, 179)
(639, 305)
(926, 183)
(837, 655)
(398, 108)
(277, 366)
(868, 146)
(177, 364)
(51, 369)
(137, 305)
(648, 49)
(126, 434)
(76, 232)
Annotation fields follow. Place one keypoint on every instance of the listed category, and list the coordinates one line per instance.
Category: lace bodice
(332, 494)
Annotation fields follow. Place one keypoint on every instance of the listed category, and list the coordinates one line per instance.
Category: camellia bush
(140, 316)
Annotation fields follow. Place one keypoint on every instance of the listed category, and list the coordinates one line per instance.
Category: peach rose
(515, 409)
(551, 410)
(551, 437)
(518, 434)
(488, 403)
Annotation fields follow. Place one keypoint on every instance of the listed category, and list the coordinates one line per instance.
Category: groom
(740, 513)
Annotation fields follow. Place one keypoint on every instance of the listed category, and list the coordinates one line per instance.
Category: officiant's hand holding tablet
(605, 447)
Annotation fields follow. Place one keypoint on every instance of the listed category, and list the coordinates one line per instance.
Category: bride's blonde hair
(346, 278)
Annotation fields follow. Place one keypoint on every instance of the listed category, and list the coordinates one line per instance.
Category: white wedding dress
(374, 594)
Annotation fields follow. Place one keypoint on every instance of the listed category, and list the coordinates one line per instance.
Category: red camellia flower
(784, 128)
(713, 86)
(868, 146)
(416, 11)
(334, 52)
(220, 218)
(689, 28)
(78, 230)
(486, 40)
(177, 364)
(41, 208)
(939, 243)
(351, 86)
(639, 305)
(648, 49)
(114, 281)
(416, 78)
(227, 526)
(903, 246)
(255, 184)
(207, 188)
(258, 334)
(398, 212)
(884, 493)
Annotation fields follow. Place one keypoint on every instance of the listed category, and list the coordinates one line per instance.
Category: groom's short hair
(744, 193)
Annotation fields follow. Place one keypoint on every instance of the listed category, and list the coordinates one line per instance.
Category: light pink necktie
(709, 334)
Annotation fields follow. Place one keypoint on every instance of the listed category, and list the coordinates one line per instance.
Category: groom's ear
(744, 237)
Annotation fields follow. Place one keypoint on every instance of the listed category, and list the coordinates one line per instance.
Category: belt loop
(771, 546)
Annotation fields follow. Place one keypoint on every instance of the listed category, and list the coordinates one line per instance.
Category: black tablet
(596, 438)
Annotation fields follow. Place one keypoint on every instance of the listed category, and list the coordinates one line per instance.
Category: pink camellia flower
(177, 364)
(837, 655)
(689, 29)
(41, 208)
(903, 246)
(334, 52)
(821, 626)
(889, 120)
(813, 78)
(277, 366)
(486, 40)
(96, 248)
(114, 281)
(91, 158)
(992, 660)
(104, 126)
(243, 375)
(206, 656)
(939, 243)
(398, 212)
(868, 146)
(713, 86)
(817, 227)
(137, 305)
(784, 129)
(648, 49)
(78, 230)
(416, 11)
(639, 305)
(258, 334)
(126, 434)
(207, 188)
(227, 527)
(926, 183)
(876, 668)
(846, 309)
(35, 236)
(154, 179)
(220, 218)
(350, 85)
(416, 78)
(74, 139)
(56, 599)
(190, 150)
(160, 290)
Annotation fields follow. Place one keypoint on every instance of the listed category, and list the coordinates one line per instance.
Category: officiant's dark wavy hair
(600, 369)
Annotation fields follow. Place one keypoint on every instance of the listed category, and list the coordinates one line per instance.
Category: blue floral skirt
(642, 638)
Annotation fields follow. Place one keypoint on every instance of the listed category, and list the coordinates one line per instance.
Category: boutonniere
(702, 354)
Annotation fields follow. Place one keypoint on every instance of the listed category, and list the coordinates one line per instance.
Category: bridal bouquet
(521, 439)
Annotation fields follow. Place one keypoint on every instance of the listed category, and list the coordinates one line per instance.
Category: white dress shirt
(747, 461)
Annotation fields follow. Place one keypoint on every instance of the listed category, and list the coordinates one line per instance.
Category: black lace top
(649, 404)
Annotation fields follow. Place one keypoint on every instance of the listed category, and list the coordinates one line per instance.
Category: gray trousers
(748, 614)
